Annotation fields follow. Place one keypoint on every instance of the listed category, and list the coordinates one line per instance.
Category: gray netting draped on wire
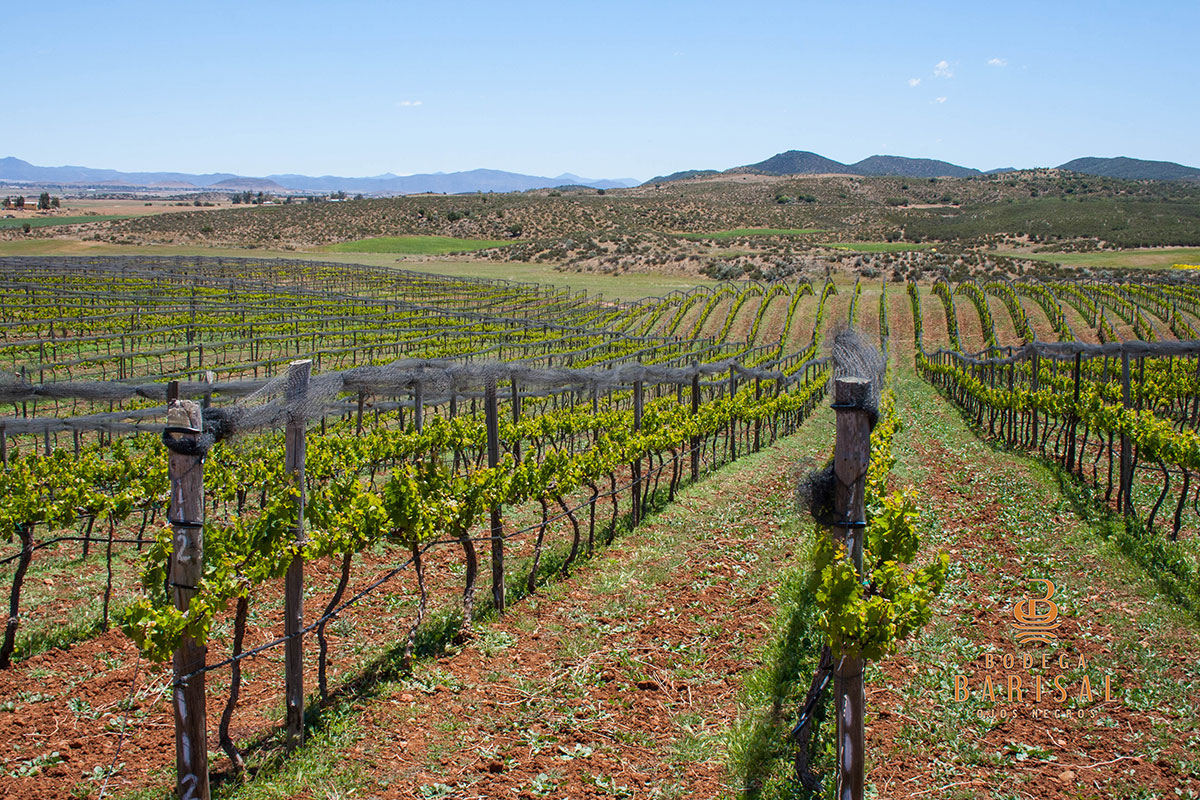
(15, 390)
(264, 404)
(1135, 348)
(854, 356)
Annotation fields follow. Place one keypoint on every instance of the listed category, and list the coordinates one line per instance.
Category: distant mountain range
(803, 162)
(477, 180)
(791, 162)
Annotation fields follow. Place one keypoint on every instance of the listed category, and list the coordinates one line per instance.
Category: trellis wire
(444, 378)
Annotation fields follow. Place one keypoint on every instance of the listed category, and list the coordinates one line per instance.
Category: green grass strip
(760, 748)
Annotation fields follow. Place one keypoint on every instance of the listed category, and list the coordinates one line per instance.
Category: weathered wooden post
(185, 471)
(695, 411)
(1035, 364)
(419, 407)
(1076, 377)
(492, 422)
(1195, 406)
(1125, 491)
(851, 457)
(635, 469)
(733, 431)
(294, 447)
(516, 418)
(757, 419)
(1012, 412)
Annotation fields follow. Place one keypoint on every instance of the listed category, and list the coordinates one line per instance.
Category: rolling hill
(794, 162)
(910, 167)
(804, 162)
(1134, 169)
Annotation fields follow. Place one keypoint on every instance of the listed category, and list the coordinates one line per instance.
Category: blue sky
(601, 89)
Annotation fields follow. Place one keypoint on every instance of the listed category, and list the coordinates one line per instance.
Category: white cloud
(997, 62)
(914, 81)
(942, 69)
(409, 103)
(939, 100)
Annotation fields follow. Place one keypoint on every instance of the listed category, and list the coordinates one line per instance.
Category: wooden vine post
(851, 456)
(1195, 409)
(635, 468)
(695, 411)
(419, 407)
(293, 615)
(1076, 377)
(733, 431)
(491, 417)
(1124, 490)
(757, 420)
(185, 471)
(516, 418)
(1035, 365)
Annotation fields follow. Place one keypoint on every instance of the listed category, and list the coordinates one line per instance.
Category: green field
(1144, 258)
(45, 222)
(415, 245)
(740, 232)
(878, 247)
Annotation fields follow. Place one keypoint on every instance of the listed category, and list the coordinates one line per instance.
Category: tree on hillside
(8, 203)
(21, 202)
(55, 203)
(43, 203)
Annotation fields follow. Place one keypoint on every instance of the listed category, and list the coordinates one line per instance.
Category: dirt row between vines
(65, 712)
(620, 681)
(1004, 521)
(623, 675)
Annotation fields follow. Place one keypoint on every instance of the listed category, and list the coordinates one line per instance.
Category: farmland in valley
(46, 222)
